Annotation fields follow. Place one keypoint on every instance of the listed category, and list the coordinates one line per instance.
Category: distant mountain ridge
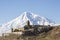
(22, 19)
(33, 18)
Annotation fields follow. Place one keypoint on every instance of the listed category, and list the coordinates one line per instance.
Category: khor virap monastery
(30, 30)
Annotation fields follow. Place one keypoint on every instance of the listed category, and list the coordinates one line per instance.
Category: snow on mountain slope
(21, 21)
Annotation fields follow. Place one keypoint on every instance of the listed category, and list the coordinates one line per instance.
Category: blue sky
(10, 9)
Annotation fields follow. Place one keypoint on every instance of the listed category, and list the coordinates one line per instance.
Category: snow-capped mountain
(22, 19)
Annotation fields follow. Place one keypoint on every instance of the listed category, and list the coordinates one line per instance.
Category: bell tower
(28, 23)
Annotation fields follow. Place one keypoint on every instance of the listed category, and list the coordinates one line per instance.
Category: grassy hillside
(53, 34)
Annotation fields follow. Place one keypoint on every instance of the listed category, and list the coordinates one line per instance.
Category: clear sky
(10, 9)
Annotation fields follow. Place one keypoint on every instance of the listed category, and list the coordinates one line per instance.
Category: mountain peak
(28, 13)
(35, 19)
